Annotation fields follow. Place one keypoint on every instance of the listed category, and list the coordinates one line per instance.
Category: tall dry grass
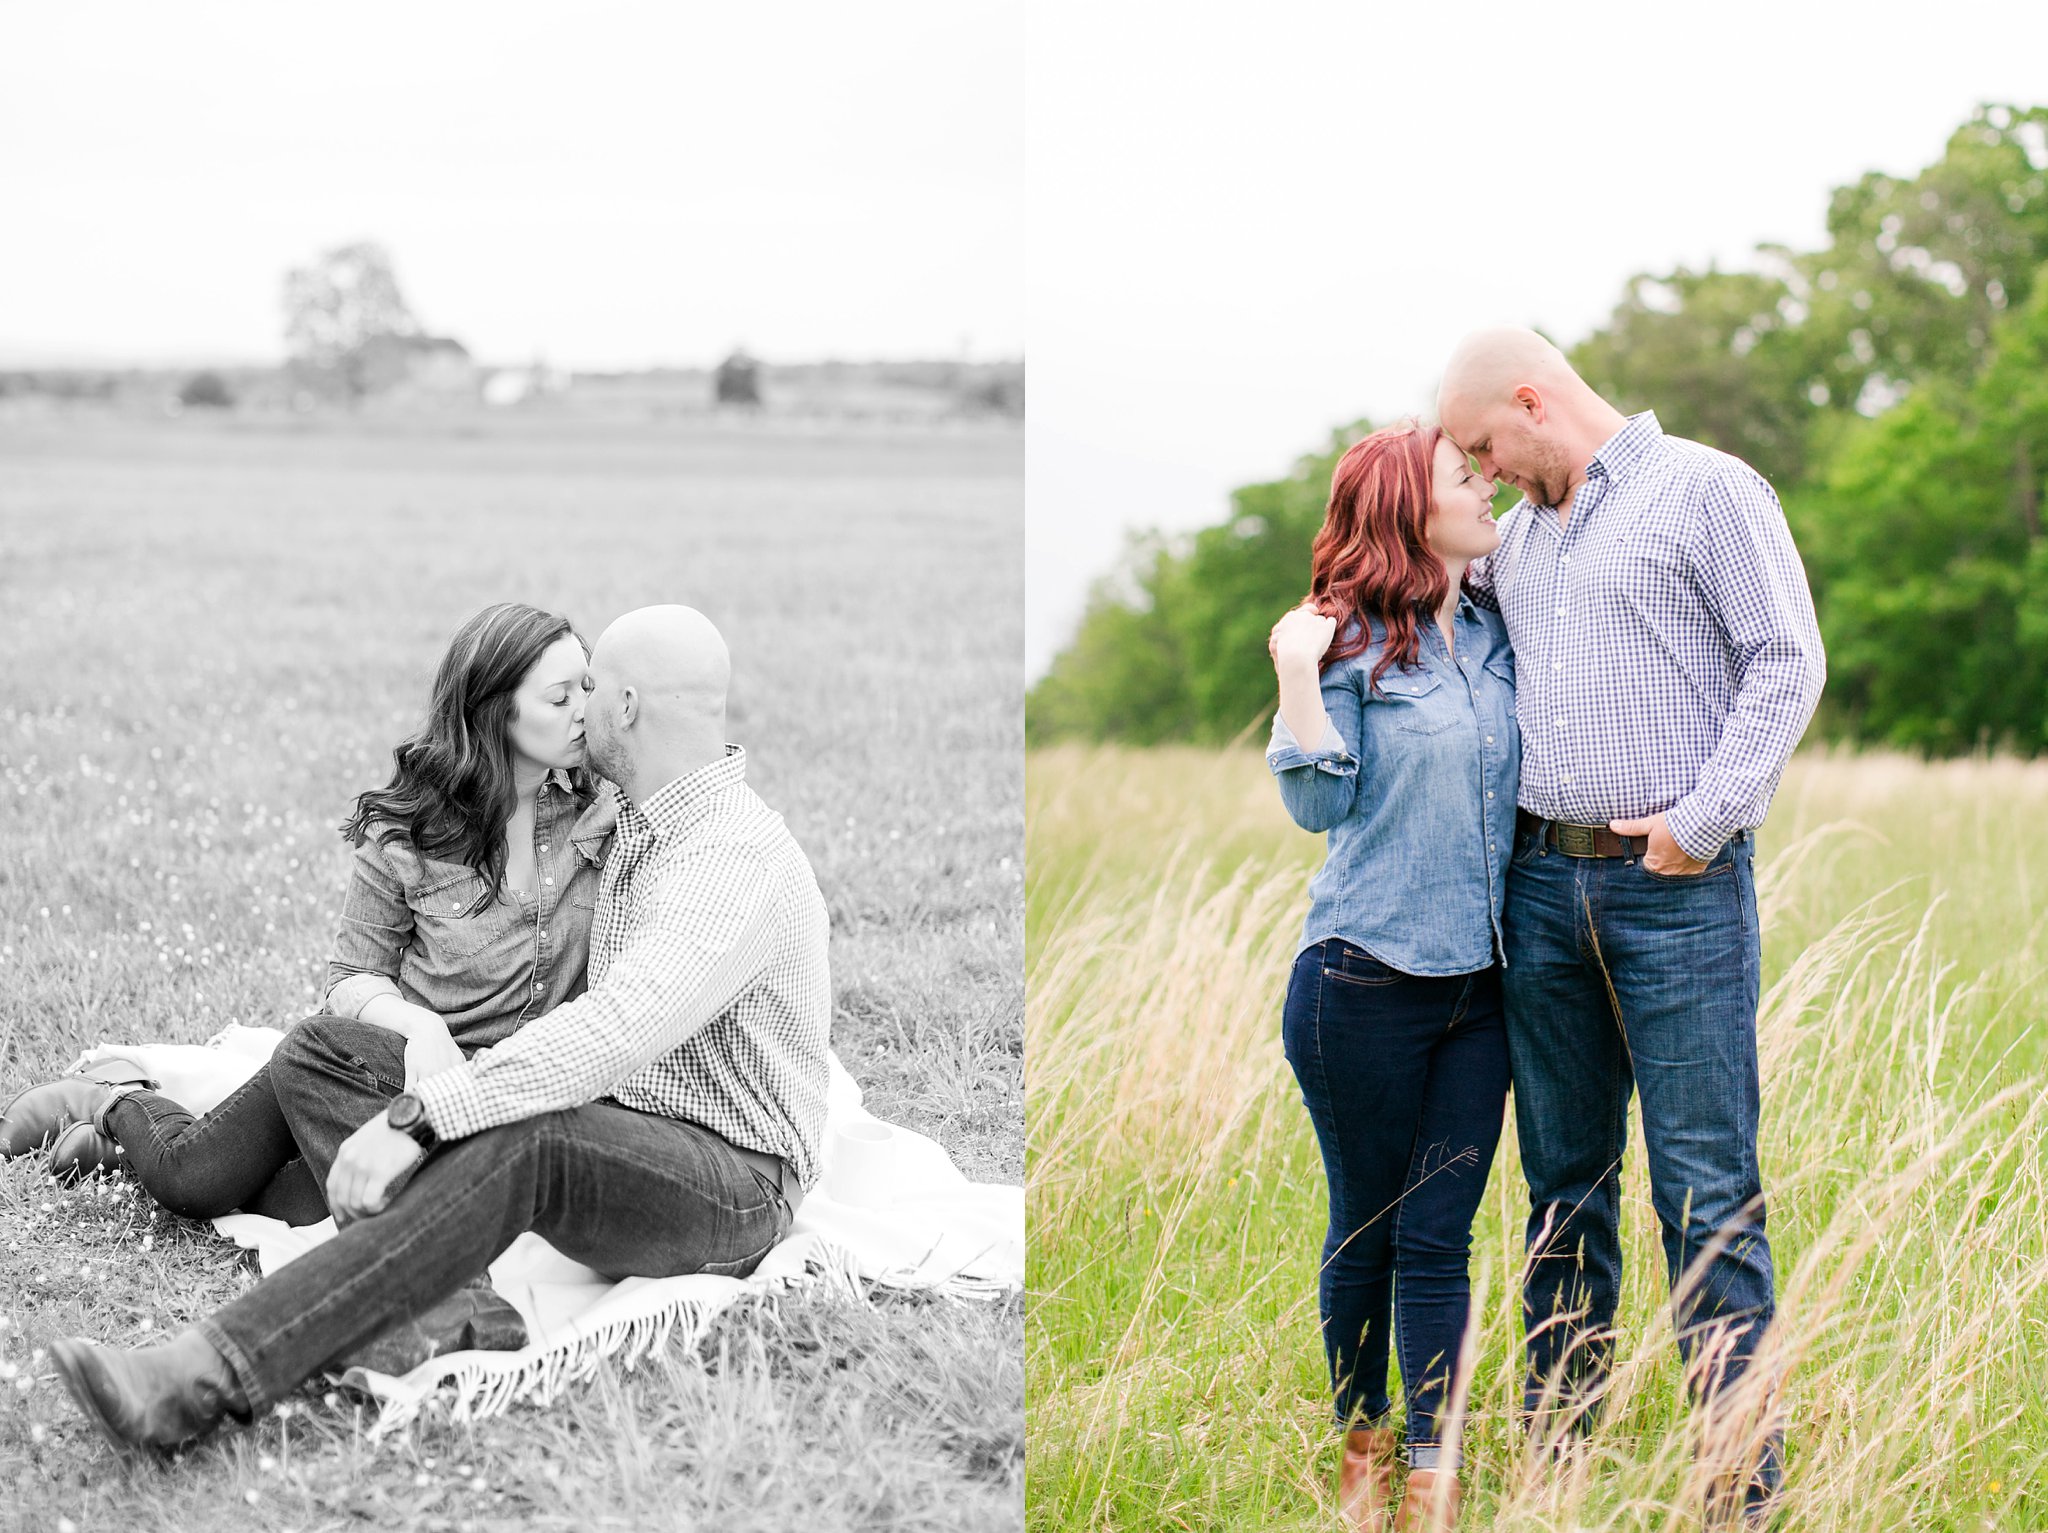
(1176, 1196)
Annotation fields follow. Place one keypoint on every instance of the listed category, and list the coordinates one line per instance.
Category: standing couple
(463, 1084)
(1540, 748)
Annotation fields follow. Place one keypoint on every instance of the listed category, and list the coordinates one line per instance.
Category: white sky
(609, 184)
(1242, 236)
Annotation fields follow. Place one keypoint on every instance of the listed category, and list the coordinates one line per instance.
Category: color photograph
(1534, 802)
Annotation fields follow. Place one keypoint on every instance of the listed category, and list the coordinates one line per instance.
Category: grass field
(1176, 1197)
(212, 634)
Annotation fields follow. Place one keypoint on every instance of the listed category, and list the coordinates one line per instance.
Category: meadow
(1176, 1196)
(212, 633)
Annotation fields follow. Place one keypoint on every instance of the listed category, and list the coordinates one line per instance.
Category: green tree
(1124, 676)
(1719, 359)
(1929, 560)
(1776, 364)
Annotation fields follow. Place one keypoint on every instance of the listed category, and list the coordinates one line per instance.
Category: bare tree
(346, 321)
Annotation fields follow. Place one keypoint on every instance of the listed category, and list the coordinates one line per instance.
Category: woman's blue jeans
(1406, 1079)
(239, 1156)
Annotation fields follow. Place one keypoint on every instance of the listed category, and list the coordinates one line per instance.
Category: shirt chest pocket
(452, 920)
(1415, 703)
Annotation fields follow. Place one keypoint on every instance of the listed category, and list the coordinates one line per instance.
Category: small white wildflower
(251, 1497)
(265, 1463)
(36, 1434)
(65, 1524)
(7, 1373)
(422, 1480)
(146, 1323)
(24, 1383)
(330, 1399)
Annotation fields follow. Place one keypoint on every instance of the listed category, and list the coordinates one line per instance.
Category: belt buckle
(1575, 840)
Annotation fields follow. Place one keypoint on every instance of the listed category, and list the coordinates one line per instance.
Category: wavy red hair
(1372, 561)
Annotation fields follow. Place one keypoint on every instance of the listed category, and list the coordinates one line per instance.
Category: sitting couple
(1549, 881)
(463, 1085)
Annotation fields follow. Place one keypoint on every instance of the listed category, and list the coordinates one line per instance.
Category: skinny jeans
(1406, 1080)
(241, 1155)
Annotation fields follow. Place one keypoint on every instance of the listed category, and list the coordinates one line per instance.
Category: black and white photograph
(511, 767)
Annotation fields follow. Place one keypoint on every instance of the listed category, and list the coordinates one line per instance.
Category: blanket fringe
(477, 1388)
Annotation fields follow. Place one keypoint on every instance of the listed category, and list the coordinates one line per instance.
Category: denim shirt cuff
(1695, 837)
(1285, 754)
(347, 997)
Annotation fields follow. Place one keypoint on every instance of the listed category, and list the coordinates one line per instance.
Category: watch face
(404, 1111)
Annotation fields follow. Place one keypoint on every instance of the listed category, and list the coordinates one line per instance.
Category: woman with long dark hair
(467, 914)
(1396, 734)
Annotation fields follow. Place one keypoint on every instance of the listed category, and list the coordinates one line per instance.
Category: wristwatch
(408, 1114)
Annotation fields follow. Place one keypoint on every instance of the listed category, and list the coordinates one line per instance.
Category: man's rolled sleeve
(1754, 586)
(375, 929)
(696, 940)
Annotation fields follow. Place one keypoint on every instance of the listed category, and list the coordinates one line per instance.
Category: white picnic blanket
(910, 1220)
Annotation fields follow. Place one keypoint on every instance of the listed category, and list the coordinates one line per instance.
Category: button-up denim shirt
(1415, 784)
(406, 929)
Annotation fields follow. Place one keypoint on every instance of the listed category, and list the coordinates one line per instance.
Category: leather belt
(1581, 840)
(776, 1169)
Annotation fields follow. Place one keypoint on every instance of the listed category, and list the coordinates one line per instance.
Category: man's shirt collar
(1628, 449)
(681, 803)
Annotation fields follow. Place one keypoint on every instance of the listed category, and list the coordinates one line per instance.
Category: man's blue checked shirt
(1666, 652)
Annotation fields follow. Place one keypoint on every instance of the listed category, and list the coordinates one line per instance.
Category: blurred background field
(1176, 1196)
(215, 627)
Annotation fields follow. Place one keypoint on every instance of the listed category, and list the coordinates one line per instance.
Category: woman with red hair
(1396, 734)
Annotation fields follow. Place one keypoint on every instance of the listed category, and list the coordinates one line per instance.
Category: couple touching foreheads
(1540, 748)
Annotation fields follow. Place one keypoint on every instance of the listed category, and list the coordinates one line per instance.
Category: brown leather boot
(153, 1398)
(33, 1118)
(1366, 1477)
(1430, 1502)
(82, 1151)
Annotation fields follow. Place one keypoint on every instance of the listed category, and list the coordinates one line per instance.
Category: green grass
(212, 636)
(1176, 1197)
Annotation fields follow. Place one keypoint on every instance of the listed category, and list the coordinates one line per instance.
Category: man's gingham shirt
(709, 996)
(1666, 654)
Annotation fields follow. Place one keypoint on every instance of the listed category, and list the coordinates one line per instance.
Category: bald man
(1667, 662)
(667, 1121)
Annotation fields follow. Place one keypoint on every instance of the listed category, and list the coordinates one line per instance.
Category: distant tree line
(1892, 384)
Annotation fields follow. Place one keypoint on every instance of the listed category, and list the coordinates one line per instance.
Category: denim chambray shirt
(1416, 785)
(404, 931)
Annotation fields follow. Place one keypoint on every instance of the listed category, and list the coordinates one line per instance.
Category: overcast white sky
(1244, 235)
(609, 184)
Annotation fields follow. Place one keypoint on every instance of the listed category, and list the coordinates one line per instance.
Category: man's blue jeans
(1618, 979)
(628, 1193)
